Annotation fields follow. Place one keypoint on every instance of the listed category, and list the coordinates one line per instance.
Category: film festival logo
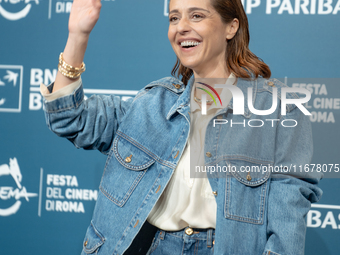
(10, 88)
(10, 193)
(239, 102)
(15, 9)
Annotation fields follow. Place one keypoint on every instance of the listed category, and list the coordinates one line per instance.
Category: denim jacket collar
(182, 105)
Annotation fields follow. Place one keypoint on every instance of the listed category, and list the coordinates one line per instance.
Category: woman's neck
(217, 71)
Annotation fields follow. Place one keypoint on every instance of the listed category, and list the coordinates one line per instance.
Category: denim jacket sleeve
(88, 124)
(291, 195)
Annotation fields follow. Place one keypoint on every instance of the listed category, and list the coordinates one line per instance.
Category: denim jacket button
(177, 86)
(208, 154)
(128, 159)
(248, 177)
(271, 84)
(85, 243)
(215, 193)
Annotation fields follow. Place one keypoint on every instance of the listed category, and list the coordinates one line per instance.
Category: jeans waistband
(207, 234)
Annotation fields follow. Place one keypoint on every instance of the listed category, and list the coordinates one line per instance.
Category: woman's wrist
(73, 55)
(75, 49)
(79, 38)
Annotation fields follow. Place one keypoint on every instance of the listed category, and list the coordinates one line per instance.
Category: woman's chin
(190, 65)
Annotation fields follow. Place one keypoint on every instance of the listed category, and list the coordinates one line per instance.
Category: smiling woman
(153, 140)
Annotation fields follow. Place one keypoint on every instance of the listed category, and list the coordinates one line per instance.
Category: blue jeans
(201, 242)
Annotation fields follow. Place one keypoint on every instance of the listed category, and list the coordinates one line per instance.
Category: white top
(185, 201)
(190, 201)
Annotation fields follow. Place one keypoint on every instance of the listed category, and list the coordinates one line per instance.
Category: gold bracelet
(68, 70)
(71, 75)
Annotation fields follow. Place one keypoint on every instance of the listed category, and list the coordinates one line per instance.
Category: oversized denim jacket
(263, 213)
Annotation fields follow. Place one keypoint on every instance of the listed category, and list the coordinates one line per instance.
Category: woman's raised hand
(83, 17)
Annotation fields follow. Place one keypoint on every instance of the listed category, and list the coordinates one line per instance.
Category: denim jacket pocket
(93, 240)
(125, 167)
(246, 190)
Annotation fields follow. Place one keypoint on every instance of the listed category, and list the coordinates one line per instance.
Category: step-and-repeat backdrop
(48, 188)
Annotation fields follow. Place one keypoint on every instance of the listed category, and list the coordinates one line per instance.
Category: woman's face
(199, 37)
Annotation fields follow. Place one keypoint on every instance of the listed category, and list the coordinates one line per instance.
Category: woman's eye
(173, 19)
(197, 16)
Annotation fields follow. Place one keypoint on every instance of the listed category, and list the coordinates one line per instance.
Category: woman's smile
(189, 45)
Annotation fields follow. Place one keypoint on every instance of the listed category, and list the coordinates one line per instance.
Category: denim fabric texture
(264, 214)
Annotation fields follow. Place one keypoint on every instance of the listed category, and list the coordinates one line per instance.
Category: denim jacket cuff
(70, 101)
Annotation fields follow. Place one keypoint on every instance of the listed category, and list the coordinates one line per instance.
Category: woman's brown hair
(240, 60)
